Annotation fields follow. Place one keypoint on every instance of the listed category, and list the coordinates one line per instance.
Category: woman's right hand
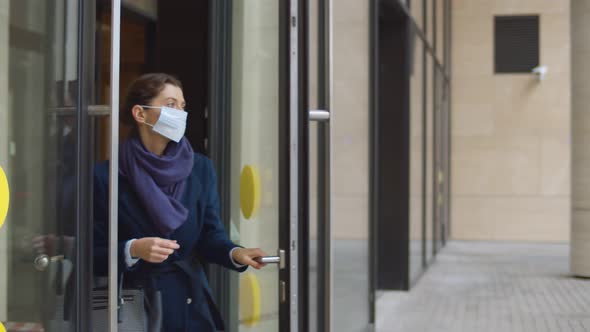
(153, 249)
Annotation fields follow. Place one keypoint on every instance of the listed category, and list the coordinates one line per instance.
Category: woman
(168, 209)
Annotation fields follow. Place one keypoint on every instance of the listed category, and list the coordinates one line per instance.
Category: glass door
(255, 154)
(262, 134)
(44, 261)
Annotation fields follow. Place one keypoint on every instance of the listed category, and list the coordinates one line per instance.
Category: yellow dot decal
(2, 329)
(249, 191)
(4, 197)
(249, 299)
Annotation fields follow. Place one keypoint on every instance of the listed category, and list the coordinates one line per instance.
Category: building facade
(410, 144)
(511, 130)
(448, 120)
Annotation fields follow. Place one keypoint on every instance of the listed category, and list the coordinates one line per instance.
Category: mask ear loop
(144, 122)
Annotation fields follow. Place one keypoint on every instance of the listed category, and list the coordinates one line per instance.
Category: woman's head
(145, 96)
(149, 89)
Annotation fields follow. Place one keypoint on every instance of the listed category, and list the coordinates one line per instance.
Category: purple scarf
(158, 181)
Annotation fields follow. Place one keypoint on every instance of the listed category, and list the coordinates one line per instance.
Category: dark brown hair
(143, 90)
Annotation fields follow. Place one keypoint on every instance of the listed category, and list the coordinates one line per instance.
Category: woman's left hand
(247, 256)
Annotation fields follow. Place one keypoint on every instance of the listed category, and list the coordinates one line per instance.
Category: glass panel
(416, 159)
(445, 161)
(429, 155)
(446, 35)
(429, 21)
(440, 42)
(135, 52)
(440, 150)
(38, 66)
(416, 8)
(255, 157)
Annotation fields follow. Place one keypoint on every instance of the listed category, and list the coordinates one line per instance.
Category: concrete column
(580, 230)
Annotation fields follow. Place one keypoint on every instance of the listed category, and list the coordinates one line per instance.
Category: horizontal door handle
(42, 261)
(93, 110)
(280, 259)
(319, 115)
(270, 260)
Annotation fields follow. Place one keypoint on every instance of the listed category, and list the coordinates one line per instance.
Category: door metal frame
(219, 104)
(294, 164)
(302, 290)
(325, 269)
(373, 166)
(85, 97)
(114, 163)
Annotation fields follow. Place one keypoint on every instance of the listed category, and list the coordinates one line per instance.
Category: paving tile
(491, 286)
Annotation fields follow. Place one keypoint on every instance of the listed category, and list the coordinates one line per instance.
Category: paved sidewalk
(483, 286)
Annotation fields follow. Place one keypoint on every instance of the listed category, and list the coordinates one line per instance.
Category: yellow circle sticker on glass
(2, 329)
(249, 191)
(4, 197)
(249, 299)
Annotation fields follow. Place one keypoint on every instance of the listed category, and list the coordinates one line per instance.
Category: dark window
(516, 41)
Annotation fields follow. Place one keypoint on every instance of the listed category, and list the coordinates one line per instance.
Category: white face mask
(171, 124)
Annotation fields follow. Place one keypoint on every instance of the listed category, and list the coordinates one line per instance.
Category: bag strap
(120, 300)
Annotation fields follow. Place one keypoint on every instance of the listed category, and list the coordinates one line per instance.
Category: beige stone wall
(351, 120)
(511, 133)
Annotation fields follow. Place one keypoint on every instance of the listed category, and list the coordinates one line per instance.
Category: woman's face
(171, 96)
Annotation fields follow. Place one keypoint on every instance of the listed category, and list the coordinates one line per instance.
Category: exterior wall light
(540, 72)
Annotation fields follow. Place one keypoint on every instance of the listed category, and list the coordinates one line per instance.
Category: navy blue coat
(201, 235)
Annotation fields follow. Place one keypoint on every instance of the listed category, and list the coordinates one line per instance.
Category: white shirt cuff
(130, 261)
(232, 259)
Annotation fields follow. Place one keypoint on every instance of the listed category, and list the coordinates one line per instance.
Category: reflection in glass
(445, 167)
(255, 146)
(416, 8)
(440, 24)
(429, 155)
(38, 144)
(416, 158)
(429, 28)
(439, 177)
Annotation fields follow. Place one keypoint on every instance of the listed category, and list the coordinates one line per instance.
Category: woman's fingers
(154, 250)
(257, 252)
(250, 261)
(165, 247)
(251, 257)
(171, 244)
(157, 258)
(162, 251)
